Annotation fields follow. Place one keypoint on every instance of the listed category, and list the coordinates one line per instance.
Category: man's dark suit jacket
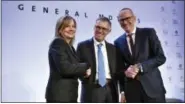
(64, 72)
(149, 53)
(86, 53)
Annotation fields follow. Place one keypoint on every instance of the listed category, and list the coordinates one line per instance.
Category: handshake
(132, 71)
(88, 73)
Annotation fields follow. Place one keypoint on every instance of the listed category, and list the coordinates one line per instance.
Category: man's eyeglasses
(103, 28)
(125, 19)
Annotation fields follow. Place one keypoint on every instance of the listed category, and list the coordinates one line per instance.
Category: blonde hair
(62, 23)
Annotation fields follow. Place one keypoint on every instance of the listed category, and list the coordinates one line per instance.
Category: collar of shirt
(133, 32)
(96, 42)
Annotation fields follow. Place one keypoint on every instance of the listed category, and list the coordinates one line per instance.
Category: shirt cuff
(122, 92)
(140, 68)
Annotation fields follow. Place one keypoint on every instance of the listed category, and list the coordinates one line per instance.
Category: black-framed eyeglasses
(125, 19)
(101, 28)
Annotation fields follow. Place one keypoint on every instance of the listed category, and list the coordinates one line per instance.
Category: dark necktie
(131, 44)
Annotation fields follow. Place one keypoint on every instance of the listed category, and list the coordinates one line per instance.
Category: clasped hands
(88, 73)
(132, 71)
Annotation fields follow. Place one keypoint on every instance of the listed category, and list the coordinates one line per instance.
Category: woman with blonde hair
(65, 68)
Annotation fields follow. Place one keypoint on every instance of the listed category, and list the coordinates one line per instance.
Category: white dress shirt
(106, 63)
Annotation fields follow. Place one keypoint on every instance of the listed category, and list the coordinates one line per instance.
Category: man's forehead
(99, 22)
(125, 12)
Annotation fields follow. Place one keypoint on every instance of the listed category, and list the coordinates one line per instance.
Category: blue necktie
(101, 68)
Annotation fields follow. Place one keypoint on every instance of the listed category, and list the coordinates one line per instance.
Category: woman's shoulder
(58, 42)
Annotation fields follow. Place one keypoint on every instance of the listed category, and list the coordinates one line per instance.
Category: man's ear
(118, 18)
(110, 30)
(135, 18)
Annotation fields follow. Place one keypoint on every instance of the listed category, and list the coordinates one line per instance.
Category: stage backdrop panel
(29, 26)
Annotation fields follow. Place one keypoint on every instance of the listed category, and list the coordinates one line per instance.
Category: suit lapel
(92, 52)
(72, 52)
(137, 43)
(92, 57)
(125, 49)
(109, 56)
